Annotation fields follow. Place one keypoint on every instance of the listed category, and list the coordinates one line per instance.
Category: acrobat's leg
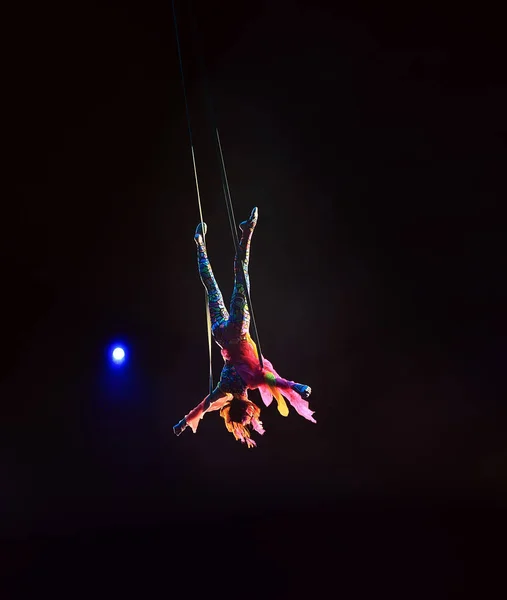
(213, 401)
(239, 318)
(218, 312)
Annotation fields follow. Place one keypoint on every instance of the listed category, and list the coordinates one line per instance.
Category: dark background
(372, 138)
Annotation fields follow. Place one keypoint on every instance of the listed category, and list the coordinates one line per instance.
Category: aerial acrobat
(242, 370)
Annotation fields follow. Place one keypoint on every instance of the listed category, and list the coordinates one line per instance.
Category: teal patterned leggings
(233, 325)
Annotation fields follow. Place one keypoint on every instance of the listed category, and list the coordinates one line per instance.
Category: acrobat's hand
(180, 427)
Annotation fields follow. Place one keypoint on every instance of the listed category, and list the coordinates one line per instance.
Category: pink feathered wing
(196, 414)
(244, 357)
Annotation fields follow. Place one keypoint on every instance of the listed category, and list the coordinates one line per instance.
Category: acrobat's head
(239, 414)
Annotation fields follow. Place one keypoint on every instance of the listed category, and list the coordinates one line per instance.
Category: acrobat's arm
(213, 401)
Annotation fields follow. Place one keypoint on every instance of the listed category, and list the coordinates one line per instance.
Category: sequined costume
(242, 370)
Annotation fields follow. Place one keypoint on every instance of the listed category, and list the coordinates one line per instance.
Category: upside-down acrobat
(242, 369)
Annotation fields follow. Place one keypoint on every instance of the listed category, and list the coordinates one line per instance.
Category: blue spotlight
(118, 355)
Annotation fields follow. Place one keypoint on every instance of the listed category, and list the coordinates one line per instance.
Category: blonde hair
(245, 414)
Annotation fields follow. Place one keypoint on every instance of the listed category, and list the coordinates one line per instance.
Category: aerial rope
(227, 196)
(234, 229)
(208, 317)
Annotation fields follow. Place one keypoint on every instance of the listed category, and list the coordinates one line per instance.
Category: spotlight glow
(118, 355)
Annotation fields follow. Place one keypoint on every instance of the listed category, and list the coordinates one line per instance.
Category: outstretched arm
(213, 401)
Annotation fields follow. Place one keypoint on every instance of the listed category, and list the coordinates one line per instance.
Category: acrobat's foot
(252, 220)
(180, 427)
(198, 237)
(303, 390)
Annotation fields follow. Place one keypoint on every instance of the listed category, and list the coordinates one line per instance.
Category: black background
(372, 139)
